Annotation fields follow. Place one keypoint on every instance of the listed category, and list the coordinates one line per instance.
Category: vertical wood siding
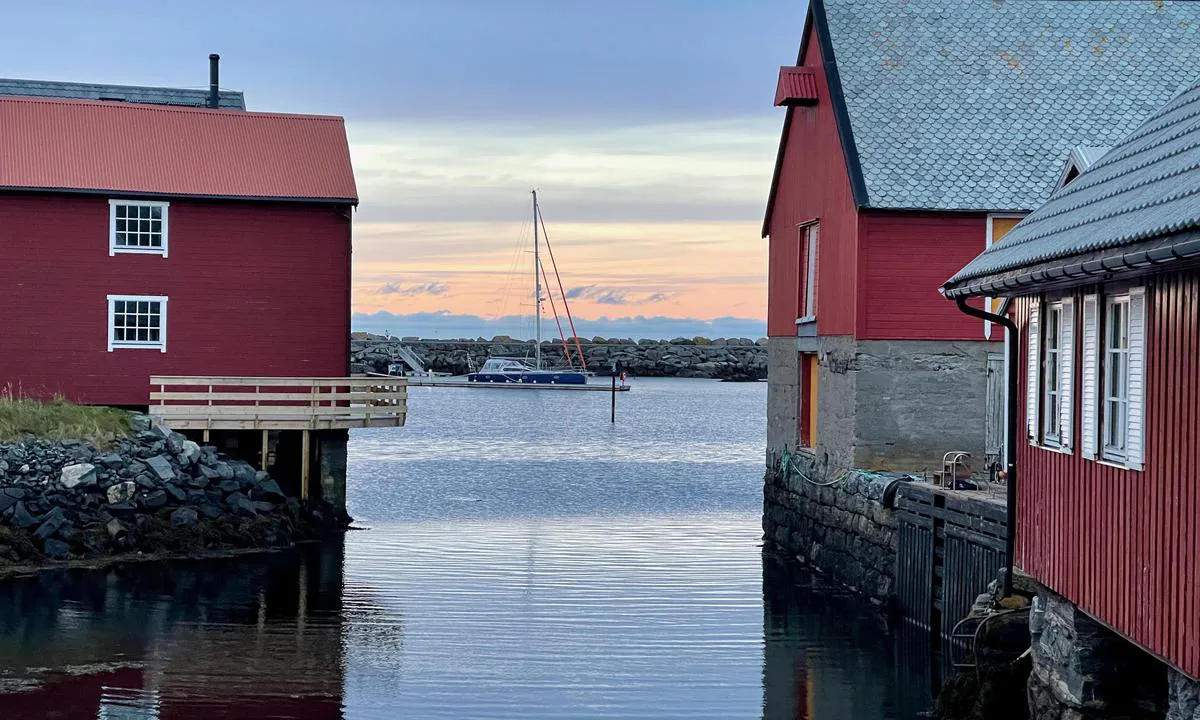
(905, 258)
(254, 289)
(813, 183)
(1123, 545)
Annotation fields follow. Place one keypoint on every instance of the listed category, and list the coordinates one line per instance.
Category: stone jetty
(155, 492)
(720, 358)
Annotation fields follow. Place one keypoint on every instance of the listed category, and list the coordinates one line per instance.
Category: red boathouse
(165, 248)
(916, 134)
(1105, 286)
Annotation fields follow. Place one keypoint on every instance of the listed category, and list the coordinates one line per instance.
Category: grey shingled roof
(228, 99)
(1146, 187)
(975, 104)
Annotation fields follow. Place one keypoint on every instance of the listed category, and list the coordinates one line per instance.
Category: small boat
(512, 370)
(515, 370)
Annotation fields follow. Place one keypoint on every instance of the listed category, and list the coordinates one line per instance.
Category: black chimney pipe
(214, 84)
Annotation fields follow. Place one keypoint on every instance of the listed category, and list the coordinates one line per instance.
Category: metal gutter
(1138, 259)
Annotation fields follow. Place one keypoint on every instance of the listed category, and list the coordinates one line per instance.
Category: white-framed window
(1113, 382)
(809, 236)
(137, 321)
(1051, 374)
(137, 226)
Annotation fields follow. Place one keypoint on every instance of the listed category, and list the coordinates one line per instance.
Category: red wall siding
(813, 183)
(905, 258)
(1121, 544)
(253, 288)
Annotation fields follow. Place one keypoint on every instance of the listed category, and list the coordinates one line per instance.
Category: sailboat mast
(537, 289)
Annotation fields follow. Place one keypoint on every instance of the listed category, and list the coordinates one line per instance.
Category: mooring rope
(787, 466)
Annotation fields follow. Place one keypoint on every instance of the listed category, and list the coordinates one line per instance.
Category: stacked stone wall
(845, 529)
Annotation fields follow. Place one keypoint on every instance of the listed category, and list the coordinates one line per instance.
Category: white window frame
(808, 251)
(1053, 421)
(1129, 394)
(1052, 370)
(114, 248)
(160, 344)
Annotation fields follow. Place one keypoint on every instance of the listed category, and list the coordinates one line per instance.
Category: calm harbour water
(520, 558)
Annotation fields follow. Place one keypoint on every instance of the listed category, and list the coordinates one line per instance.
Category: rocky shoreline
(155, 494)
(721, 358)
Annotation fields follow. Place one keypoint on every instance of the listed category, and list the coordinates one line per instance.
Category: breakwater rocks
(154, 493)
(722, 358)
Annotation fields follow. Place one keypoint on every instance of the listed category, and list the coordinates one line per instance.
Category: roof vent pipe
(214, 84)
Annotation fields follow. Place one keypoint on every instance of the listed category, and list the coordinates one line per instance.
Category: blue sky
(647, 126)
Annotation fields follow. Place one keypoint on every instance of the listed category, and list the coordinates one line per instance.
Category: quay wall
(720, 358)
(846, 530)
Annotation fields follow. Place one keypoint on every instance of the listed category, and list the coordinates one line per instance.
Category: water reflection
(234, 638)
(827, 655)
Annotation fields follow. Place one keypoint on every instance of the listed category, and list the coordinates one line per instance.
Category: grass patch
(58, 419)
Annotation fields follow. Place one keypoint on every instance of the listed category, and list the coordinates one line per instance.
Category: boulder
(56, 549)
(245, 474)
(155, 499)
(80, 475)
(176, 493)
(189, 453)
(145, 482)
(241, 505)
(52, 521)
(6, 501)
(161, 466)
(184, 516)
(224, 470)
(122, 492)
(21, 516)
(268, 490)
(115, 528)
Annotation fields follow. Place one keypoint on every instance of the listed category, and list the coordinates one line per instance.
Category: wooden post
(304, 449)
(614, 400)
(205, 436)
(265, 449)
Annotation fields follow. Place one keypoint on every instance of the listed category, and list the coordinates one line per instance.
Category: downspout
(1010, 441)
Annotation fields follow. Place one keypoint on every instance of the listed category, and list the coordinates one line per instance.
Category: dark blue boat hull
(539, 377)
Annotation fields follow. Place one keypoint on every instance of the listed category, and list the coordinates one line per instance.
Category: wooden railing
(277, 403)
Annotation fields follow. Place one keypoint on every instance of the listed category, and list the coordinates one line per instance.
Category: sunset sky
(645, 125)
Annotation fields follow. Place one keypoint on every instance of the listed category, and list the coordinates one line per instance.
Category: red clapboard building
(916, 134)
(1104, 282)
(145, 240)
(166, 248)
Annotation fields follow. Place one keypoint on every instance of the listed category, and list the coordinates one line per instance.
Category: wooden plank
(395, 420)
(305, 397)
(271, 410)
(197, 380)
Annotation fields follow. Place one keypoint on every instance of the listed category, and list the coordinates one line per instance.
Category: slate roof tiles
(975, 104)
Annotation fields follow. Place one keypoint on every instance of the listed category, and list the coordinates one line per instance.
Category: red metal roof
(797, 86)
(73, 145)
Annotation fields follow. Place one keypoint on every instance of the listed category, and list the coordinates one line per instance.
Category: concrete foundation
(882, 404)
(331, 466)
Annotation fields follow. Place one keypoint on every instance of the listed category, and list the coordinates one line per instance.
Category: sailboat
(517, 370)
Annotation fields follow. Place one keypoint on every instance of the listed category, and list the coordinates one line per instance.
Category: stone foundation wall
(845, 530)
(1183, 696)
(1084, 671)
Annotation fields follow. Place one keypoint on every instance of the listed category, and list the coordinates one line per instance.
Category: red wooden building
(166, 248)
(145, 240)
(1105, 282)
(915, 135)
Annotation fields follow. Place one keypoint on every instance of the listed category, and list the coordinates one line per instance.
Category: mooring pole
(614, 394)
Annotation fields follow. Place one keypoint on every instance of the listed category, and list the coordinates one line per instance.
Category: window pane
(120, 211)
(156, 213)
(119, 306)
(154, 335)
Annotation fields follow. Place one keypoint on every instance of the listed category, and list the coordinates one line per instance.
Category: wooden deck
(277, 403)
